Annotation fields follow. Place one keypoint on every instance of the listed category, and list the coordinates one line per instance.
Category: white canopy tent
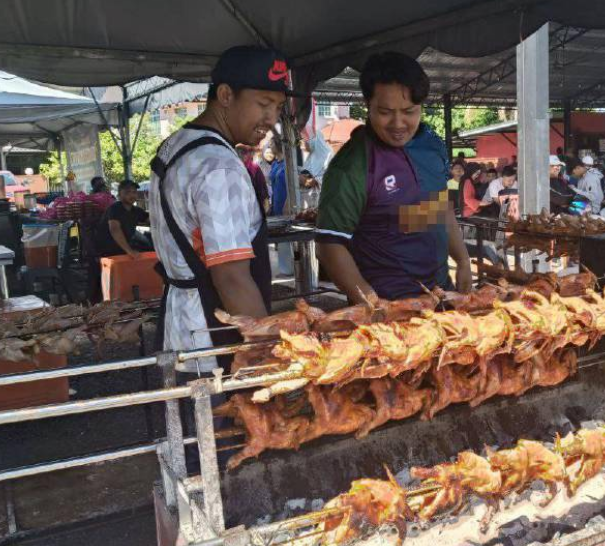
(33, 116)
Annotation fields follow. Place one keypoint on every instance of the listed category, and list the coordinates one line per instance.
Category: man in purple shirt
(385, 225)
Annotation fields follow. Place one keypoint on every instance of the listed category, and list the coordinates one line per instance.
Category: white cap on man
(588, 161)
(554, 161)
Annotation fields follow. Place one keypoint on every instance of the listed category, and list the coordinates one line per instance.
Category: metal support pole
(3, 160)
(534, 122)
(303, 270)
(211, 488)
(174, 450)
(124, 112)
(447, 115)
(290, 144)
(61, 165)
(567, 107)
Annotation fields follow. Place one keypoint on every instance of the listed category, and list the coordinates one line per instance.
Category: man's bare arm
(236, 288)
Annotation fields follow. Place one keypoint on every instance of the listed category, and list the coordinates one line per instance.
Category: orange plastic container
(34, 393)
(120, 274)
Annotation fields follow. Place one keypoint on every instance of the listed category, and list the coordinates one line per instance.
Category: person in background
(514, 163)
(454, 184)
(116, 233)
(471, 204)
(313, 169)
(277, 179)
(98, 185)
(589, 182)
(560, 192)
(508, 180)
(484, 181)
(575, 170)
(279, 198)
(257, 177)
(266, 160)
(461, 158)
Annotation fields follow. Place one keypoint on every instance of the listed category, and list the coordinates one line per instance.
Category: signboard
(83, 154)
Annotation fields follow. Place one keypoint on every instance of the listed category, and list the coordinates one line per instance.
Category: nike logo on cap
(278, 71)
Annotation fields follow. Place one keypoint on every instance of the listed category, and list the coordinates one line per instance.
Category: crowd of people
(479, 189)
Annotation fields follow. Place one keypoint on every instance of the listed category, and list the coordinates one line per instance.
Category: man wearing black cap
(207, 223)
(118, 226)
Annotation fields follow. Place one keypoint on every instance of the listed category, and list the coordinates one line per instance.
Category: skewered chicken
(266, 427)
(477, 300)
(368, 503)
(469, 474)
(335, 412)
(554, 370)
(395, 400)
(406, 309)
(257, 329)
(577, 284)
(585, 452)
(452, 384)
(461, 337)
(449, 486)
(346, 318)
(529, 461)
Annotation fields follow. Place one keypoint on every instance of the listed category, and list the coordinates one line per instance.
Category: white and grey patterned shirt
(213, 202)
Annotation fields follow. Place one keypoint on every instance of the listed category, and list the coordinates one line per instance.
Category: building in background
(164, 120)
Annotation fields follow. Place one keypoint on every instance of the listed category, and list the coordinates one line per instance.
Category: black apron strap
(160, 168)
(193, 262)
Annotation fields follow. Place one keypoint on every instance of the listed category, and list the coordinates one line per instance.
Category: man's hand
(134, 254)
(464, 278)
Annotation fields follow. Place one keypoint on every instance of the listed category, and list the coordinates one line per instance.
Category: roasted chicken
(529, 461)
(395, 400)
(266, 427)
(265, 328)
(368, 503)
(335, 412)
(470, 474)
(584, 455)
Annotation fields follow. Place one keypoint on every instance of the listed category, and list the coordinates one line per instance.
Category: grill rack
(198, 500)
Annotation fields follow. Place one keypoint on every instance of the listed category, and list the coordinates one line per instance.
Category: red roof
(339, 131)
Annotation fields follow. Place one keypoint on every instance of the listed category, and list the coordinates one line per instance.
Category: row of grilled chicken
(525, 328)
(361, 406)
(306, 318)
(575, 459)
(60, 330)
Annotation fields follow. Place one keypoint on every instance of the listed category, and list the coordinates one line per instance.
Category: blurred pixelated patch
(425, 215)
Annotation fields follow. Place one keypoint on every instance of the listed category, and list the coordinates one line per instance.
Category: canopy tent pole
(567, 124)
(290, 144)
(534, 122)
(59, 144)
(447, 115)
(124, 112)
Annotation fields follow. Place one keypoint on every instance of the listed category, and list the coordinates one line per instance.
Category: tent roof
(116, 41)
(576, 73)
(32, 115)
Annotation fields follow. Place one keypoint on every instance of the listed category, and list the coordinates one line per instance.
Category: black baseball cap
(252, 67)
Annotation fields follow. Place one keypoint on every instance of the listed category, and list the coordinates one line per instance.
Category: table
(302, 237)
(7, 257)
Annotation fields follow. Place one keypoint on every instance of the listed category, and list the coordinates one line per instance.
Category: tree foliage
(463, 119)
(146, 147)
